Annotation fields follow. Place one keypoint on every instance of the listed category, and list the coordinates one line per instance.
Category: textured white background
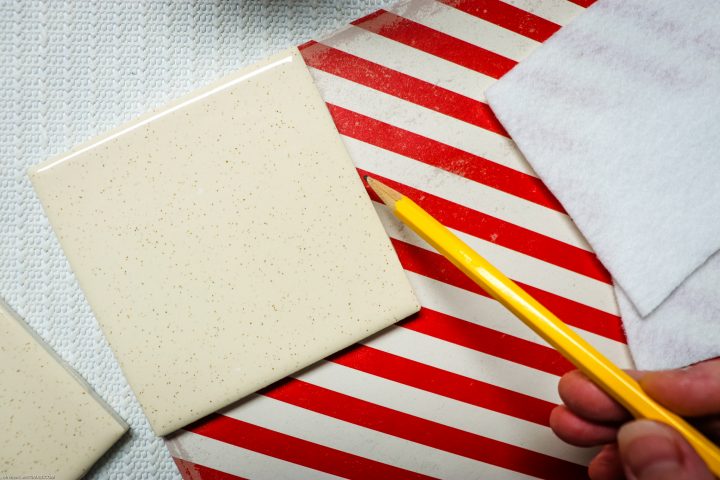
(71, 70)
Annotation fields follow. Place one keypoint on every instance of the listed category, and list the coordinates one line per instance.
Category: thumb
(653, 451)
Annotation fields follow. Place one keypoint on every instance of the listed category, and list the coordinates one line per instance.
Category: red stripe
(296, 450)
(307, 44)
(583, 3)
(578, 315)
(431, 152)
(425, 432)
(193, 471)
(507, 16)
(403, 86)
(448, 384)
(506, 234)
(487, 340)
(436, 266)
(436, 43)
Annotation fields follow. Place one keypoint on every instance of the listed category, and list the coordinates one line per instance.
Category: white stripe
(411, 61)
(488, 313)
(465, 192)
(557, 11)
(237, 461)
(420, 120)
(520, 267)
(466, 362)
(443, 410)
(321, 429)
(466, 27)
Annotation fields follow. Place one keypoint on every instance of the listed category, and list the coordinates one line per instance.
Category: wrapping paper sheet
(73, 70)
(618, 113)
(463, 389)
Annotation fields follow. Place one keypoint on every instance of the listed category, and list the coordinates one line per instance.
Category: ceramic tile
(53, 424)
(224, 241)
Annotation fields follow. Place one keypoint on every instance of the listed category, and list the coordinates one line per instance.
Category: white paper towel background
(71, 70)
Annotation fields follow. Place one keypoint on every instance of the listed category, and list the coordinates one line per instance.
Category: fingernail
(648, 448)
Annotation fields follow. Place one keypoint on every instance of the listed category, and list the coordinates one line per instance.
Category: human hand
(641, 449)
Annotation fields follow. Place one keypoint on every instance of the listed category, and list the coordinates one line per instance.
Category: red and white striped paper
(463, 389)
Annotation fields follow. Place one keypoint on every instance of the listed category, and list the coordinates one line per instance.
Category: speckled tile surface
(225, 241)
(52, 424)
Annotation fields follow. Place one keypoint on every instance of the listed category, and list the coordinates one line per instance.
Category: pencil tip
(386, 194)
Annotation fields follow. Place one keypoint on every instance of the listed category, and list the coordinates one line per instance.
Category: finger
(588, 401)
(692, 391)
(606, 465)
(652, 451)
(578, 431)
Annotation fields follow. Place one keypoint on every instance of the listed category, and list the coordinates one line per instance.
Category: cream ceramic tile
(225, 241)
(52, 424)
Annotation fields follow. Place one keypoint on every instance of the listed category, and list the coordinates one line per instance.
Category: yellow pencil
(584, 356)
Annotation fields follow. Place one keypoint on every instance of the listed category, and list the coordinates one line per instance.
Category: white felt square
(618, 113)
